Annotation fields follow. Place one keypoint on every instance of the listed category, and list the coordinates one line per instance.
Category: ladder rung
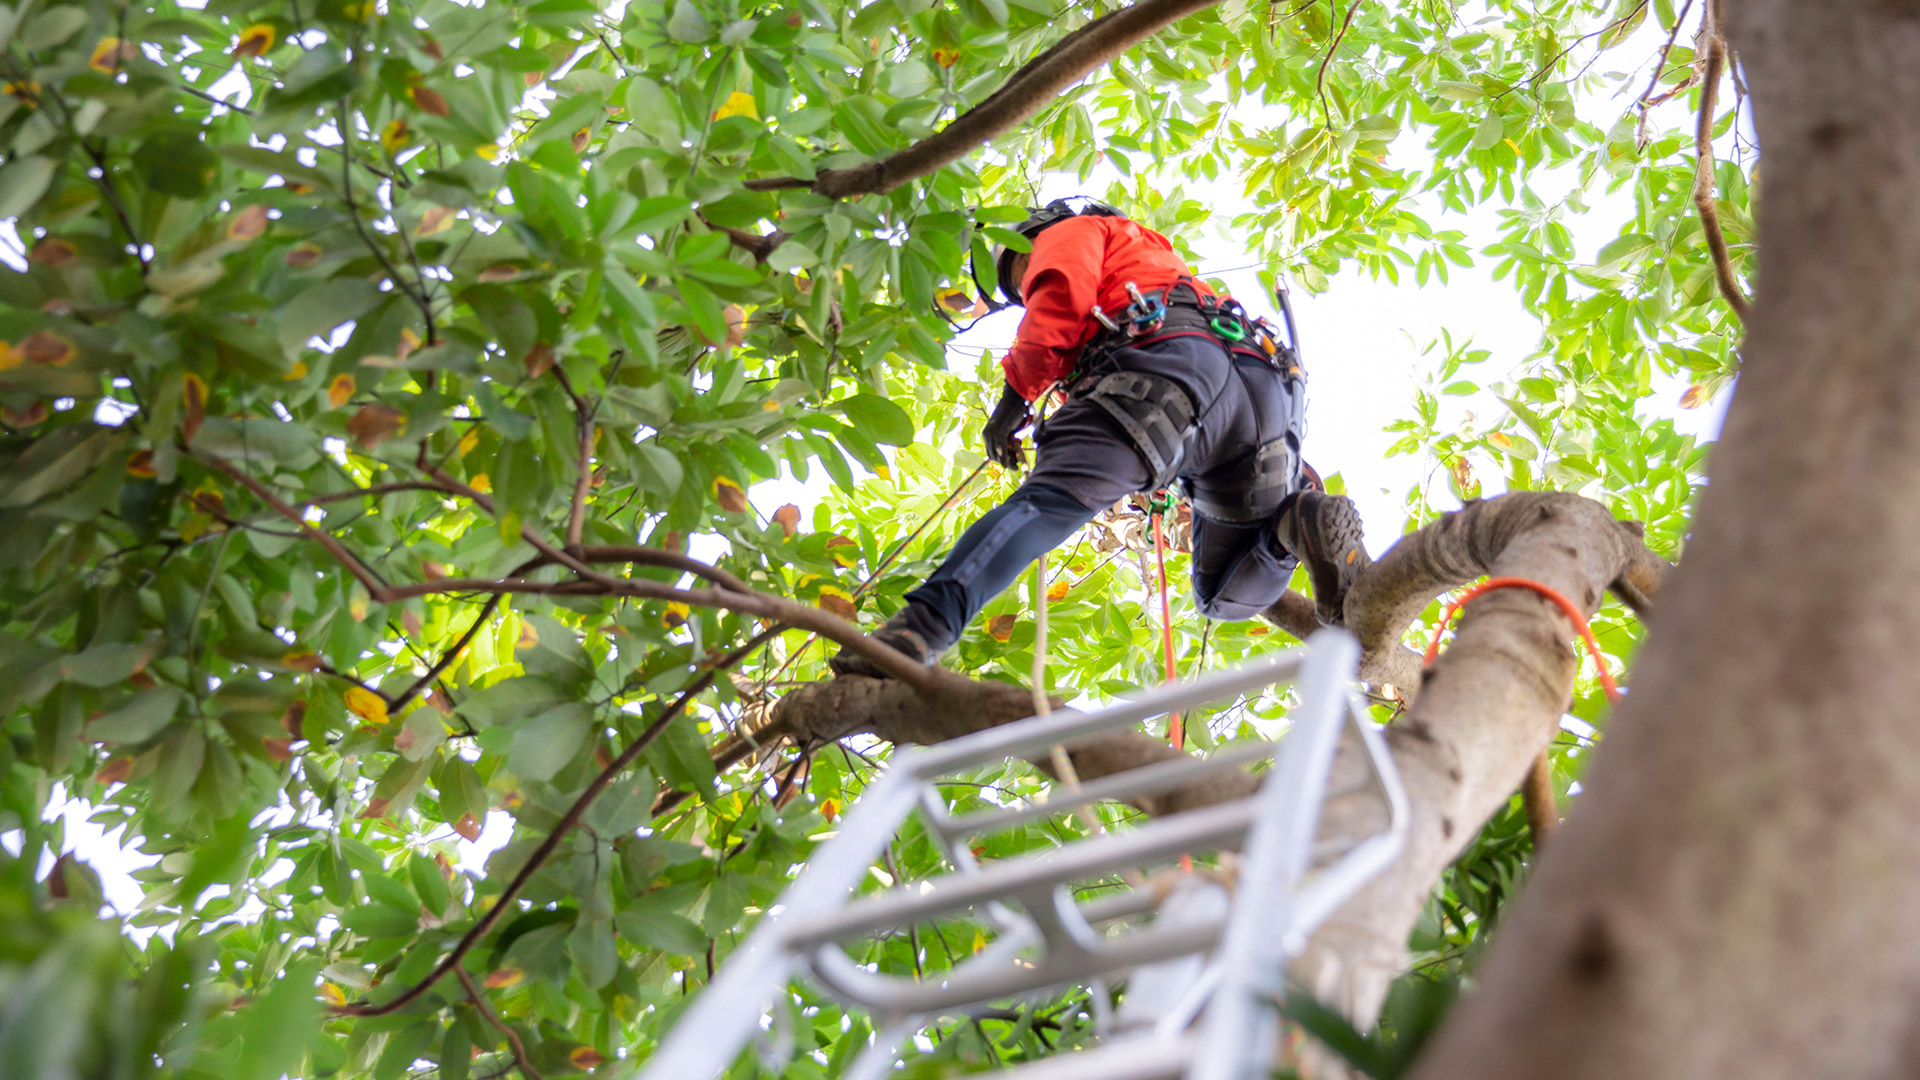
(1205, 829)
(1160, 776)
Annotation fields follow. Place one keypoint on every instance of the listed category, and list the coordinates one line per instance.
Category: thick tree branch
(1713, 53)
(1024, 93)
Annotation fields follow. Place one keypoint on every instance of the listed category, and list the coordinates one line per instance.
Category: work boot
(904, 639)
(1324, 532)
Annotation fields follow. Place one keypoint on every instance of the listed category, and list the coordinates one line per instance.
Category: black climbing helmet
(1039, 219)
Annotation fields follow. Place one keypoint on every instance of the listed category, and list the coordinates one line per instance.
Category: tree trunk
(1734, 895)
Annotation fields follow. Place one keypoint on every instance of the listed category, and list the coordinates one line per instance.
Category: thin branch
(1320, 77)
(370, 492)
(1659, 69)
(513, 1038)
(353, 214)
(361, 572)
(1536, 797)
(541, 544)
(752, 243)
(1547, 68)
(541, 854)
(583, 420)
(447, 658)
(1714, 46)
(1034, 86)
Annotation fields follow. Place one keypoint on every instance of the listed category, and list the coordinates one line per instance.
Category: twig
(1547, 68)
(358, 569)
(1714, 46)
(447, 658)
(360, 227)
(1659, 69)
(750, 242)
(513, 1038)
(1320, 77)
(541, 854)
(1536, 797)
(369, 492)
(583, 420)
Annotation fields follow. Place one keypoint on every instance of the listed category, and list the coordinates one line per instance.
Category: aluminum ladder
(1213, 963)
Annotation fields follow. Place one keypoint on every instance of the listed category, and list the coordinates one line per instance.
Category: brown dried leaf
(788, 518)
(469, 827)
(430, 101)
(248, 223)
(114, 772)
(837, 602)
(730, 497)
(292, 719)
(20, 419)
(193, 393)
(374, 423)
(1000, 627)
(1694, 397)
(736, 325)
(54, 253)
(539, 360)
(278, 747)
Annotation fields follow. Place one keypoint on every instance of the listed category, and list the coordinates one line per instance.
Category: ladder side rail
(1142, 1057)
(1239, 1024)
(727, 1011)
(1340, 880)
(1035, 734)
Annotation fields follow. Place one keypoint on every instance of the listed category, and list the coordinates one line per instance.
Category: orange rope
(1176, 730)
(1566, 608)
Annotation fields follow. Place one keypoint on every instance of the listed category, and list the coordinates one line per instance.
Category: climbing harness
(1566, 607)
(1208, 965)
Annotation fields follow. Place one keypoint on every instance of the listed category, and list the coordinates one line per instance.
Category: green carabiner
(1232, 331)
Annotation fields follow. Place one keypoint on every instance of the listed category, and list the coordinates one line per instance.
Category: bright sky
(1362, 342)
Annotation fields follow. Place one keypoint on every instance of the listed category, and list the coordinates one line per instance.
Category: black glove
(1001, 433)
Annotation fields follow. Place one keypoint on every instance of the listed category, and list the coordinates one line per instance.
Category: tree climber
(1164, 380)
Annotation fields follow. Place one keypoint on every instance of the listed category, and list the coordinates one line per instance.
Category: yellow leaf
(481, 483)
(529, 636)
(829, 809)
(946, 57)
(340, 391)
(10, 357)
(254, 40)
(488, 152)
(394, 137)
(739, 103)
(468, 441)
(332, 994)
(1500, 439)
(586, 1057)
(437, 219)
(1058, 590)
(366, 704)
(108, 54)
(1000, 627)
(1694, 397)
(297, 372)
(677, 613)
(503, 977)
(885, 474)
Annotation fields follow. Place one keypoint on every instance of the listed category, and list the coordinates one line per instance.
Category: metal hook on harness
(1146, 312)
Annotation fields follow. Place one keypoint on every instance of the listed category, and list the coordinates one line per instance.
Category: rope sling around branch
(1565, 605)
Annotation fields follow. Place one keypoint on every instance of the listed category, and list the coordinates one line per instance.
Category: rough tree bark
(1735, 896)
(1480, 717)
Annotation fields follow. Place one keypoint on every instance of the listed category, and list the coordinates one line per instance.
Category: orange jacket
(1076, 264)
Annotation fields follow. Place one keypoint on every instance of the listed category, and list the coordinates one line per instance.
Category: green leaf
(549, 741)
(657, 928)
(22, 181)
(881, 420)
(139, 718)
(681, 758)
(1489, 132)
(687, 24)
